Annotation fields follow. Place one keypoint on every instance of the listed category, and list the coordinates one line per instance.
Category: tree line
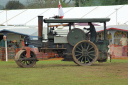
(99, 2)
(33, 4)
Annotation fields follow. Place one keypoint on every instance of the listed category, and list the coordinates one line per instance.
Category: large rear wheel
(85, 53)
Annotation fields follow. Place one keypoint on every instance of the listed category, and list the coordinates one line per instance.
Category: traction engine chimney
(40, 27)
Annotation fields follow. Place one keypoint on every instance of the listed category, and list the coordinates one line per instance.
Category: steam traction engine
(75, 44)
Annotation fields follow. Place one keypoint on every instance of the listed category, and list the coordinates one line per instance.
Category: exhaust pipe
(40, 27)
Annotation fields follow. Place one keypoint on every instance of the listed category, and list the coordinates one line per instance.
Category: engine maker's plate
(75, 35)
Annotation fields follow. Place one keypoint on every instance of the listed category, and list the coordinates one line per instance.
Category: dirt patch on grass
(119, 69)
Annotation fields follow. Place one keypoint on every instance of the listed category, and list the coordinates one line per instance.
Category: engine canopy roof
(77, 20)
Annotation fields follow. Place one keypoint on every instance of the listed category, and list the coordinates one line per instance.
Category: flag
(61, 13)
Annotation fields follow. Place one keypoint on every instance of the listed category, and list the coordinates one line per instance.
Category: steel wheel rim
(85, 53)
(27, 62)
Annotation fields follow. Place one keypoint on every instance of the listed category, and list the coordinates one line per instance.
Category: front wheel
(22, 61)
(85, 53)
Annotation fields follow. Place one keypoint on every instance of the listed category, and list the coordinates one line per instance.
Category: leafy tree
(100, 2)
(1, 7)
(14, 5)
(83, 3)
(114, 2)
(76, 3)
(46, 3)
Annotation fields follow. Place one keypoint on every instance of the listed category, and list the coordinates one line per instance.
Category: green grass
(65, 73)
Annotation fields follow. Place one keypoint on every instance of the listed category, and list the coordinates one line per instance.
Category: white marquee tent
(117, 13)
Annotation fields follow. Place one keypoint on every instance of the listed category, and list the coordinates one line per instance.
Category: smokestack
(40, 25)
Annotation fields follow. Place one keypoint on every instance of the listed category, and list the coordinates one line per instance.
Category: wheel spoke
(91, 51)
(79, 57)
(23, 62)
(30, 62)
(92, 54)
(78, 51)
(79, 48)
(90, 48)
(27, 63)
(22, 56)
(88, 60)
(85, 60)
(90, 57)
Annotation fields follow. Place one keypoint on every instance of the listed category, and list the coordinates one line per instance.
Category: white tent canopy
(19, 30)
(117, 14)
(113, 27)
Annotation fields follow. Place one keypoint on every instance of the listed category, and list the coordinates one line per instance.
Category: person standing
(92, 30)
(123, 42)
(3, 47)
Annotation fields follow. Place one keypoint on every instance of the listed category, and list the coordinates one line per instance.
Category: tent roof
(113, 27)
(18, 30)
(117, 14)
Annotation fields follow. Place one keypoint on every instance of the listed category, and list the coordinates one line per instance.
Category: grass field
(65, 73)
